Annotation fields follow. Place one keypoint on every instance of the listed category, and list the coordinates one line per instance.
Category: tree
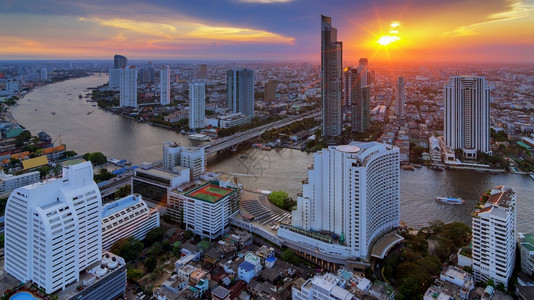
(176, 250)
(103, 175)
(151, 263)
(43, 171)
(57, 169)
(123, 191)
(127, 248)
(24, 136)
(69, 154)
(188, 234)
(97, 158)
(291, 257)
(490, 282)
(281, 199)
(154, 235)
(86, 156)
(409, 288)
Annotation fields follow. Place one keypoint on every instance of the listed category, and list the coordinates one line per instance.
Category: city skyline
(383, 31)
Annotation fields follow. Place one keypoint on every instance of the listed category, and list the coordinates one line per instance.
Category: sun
(387, 40)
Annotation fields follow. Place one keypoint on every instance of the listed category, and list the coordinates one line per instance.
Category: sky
(391, 31)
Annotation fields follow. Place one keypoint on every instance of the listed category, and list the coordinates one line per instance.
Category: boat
(80, 96)
(89, 112)
(436, 168)
(53, 112)
(408, 167)
(531, 175)
(450, 200)
(199, 137)
(94, 105)
(262, 147)
(36, 109)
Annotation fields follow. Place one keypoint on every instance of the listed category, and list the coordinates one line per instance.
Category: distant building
(128, 87)
(331, 78)
(494, 244)
(240, 91)
(202, 72)
(435, 149)
(245, 271)
(327, 286)
(526, 245)
(467, 114)
(357, 96)
(165, 86)
(119, 61)
(43, 73)
(197, 105)
(269, 91)
(127, 217)
(400, 97)
(193, 158)
(171, 155)
(10, 182)
(460, 278)
(65, 211)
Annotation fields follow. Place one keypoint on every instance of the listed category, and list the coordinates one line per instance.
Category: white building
(128, 87)
(127, 217)
(114, 78)
(467, 116)
(165, 86)
(352, 191)
(494, 230)
(194, 159)
(460, 278)
(43, 73)
(171, 155)
(12, 87)
(435, 149)
(197, 105)
(232, 120)
(400, 97)
(324, 287)
(10, 182)
(526, 245)
(53, 229)
(245, 271)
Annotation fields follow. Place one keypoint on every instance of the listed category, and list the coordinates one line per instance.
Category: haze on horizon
(276, 30)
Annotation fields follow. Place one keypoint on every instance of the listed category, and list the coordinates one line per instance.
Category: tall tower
(202, 72)
(353, 192)
(331, 78)
(269, 92)
(240, 91)
(197, 105)
(400, 97)
(53, 230)
(494, 234)
(357, 96)
(467, 116)
(128, 87)
(165, 86)
(171, 155)
(119, 61)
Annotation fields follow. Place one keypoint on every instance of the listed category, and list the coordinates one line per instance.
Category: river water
(123, 138)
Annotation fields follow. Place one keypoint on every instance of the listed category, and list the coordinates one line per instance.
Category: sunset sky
(390, 30)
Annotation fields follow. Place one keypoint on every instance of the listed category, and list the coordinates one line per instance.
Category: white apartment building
(494, 230)
(322, 287)
(197, 105)
(194, 159)
(526, 245)
(467, 116)
(165, 86)
(127, 217)
(435, 149)
(352, 191)
(128, 87)
(10, 182)
(171, 155)
(53, 229)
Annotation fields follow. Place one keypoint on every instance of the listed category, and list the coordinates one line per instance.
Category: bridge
(239, 137)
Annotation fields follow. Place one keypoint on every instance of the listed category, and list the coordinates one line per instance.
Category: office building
(154, 184)
(119, 61)
(197, 105)
(10, 182)
(171, 155)
(269, 92)
(231, 120)
(165, 86)
(526, 246)
(467, 116)
(240, 91)
(357, 96)
(494, 230)
(331, 78)
(400, 98)
(127, 217)
(352, 193)
(202, 72)
(194, 159)
(53, 230)
(128, 87)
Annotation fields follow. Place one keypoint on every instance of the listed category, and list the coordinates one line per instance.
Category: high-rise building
(165, 86)
(128, 87)
(114, 78)
(269, 92)
(53, 230)
(400, 97)
(331, 78)
(202, 72)
(352, 192)
(467, 114)
(43, 73)
(357, 96)
(119, 61)
(494, 230)
(194, 159)
(197, 105)
(171, 155)
(240, 91)
(526, 245)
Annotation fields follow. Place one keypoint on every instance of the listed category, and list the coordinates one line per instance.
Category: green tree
(57, 169)
(103, 175)
(151, 263)
(69, 154)
(490, 282)
(127, 248)
(43, 171)
(86, 156)
(281, 199)
(1, 240)
(154, 235)
(123, 191)
(176, 251)
(97, 158)
(291, 257)
(24, 136)
(188, 234)
(409, 288)
(133, 273)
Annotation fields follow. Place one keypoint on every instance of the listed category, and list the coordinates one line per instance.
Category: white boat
(450, 200)
(199, 137)
(531, 175)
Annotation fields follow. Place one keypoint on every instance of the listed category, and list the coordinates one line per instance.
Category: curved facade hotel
(351, 197)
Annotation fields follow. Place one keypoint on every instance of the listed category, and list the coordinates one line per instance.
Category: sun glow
(387, 39)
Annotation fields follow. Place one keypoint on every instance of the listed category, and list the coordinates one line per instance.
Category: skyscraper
(467, 116)
(269, 92)
(400, 97)
(494, 232)
(128, 87)
(165, 86)
(240, 91)
(53, 230)
(197, 105)
(357, 95)
(171, 155)
(331, 77)
(119, 61)
(352, 191)
(202, 72)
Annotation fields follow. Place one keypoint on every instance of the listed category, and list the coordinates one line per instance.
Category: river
(124, 138)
